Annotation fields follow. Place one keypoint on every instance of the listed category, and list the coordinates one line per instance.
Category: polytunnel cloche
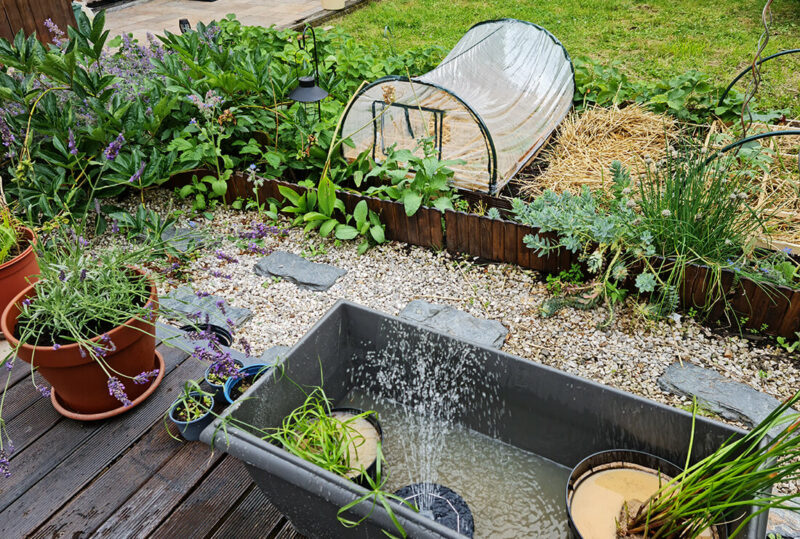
(492, 102)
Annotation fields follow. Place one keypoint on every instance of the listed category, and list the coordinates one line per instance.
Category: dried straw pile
(588, 142)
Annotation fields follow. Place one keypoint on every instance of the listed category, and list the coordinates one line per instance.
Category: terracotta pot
(19, 272)
(81, 383)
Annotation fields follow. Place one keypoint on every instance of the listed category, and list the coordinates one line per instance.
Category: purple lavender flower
(246, 346)
(228, 258)
(55, 33)
(230, 323)
(10, 363)
(82, 276)
(114, 226)
(73, 149)
(220, 303)
(56, 346)
(144, 377)
(217, 273)
(27, 302)
(62, 276)
(113, 149)
(4, 469)
(138, 174)
(202, 294)
(117, 390)
(44, 390)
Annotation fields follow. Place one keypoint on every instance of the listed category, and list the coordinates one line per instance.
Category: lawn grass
(650, 40)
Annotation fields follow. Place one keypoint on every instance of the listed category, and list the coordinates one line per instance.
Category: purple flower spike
(56, 346)
(114, 226)
(82, 276)
(73, 149)
(10, 363)
(44, 390)
(27, 302)
(62, 276)
(117, 390)
(222, 256)
(220, 303)
(138, 174)
(246, 346)
(145, 377)
(113, 149)
(4, 464)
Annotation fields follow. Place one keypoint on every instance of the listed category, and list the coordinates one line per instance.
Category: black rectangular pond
(501, 431)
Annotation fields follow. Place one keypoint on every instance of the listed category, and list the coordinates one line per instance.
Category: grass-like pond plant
(723, 486)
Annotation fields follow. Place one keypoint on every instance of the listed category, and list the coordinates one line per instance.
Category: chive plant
(725, 485)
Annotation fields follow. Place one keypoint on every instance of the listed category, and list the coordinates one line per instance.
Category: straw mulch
(776, 190)
(588, 142)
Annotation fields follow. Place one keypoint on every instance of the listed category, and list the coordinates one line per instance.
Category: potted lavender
(87, 326)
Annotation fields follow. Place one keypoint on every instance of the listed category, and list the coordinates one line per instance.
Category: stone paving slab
(456, 323)
(725, 397)
(296, 269)
(184, 300)
(155, 16)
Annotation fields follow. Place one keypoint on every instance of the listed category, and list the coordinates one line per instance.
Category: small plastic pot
(223, 335)
(372, 469)
(219, 389)
(248, 373)
(190, 430)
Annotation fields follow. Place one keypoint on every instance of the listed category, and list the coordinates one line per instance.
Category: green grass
(651, 40)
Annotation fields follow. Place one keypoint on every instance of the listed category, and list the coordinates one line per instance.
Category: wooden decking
(124, 477)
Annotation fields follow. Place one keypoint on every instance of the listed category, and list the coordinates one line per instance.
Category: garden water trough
(498, 431)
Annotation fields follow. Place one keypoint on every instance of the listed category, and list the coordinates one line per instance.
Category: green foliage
(786, 345)
(9, 233)
(321, 210)
(685, 210)
(413, 180)
(689, 96)
(556, 283)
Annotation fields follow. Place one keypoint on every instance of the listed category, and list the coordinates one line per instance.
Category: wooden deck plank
(102, 444)
(30, 425)
(155, 500)
(210, 501)
(91, 508)
(241, 523)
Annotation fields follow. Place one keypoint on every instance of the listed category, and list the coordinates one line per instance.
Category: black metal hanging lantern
(307, 90)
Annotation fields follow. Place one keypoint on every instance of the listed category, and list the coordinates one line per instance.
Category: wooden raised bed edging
(769, 309)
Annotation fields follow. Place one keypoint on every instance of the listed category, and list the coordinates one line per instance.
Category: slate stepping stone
(723, 396)
(183, 240)
(784, 523)
(304, 274)
(457, 323)
(184, 301)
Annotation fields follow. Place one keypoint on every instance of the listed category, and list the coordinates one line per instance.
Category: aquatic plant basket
(556, 415)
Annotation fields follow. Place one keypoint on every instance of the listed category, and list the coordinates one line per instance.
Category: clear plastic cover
(492, 102)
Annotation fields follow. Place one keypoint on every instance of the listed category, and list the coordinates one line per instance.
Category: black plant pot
(190, 430)
(223, 335)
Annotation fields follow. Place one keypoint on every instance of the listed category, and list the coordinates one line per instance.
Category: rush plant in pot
(722, 486)
(333, 441)
(87, 325)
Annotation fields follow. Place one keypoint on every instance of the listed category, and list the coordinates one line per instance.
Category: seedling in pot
(191, 412)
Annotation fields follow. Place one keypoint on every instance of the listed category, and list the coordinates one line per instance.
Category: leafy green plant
(321, 209)
(720, 487)
(786, 345)
(556, 283)
(312, 433)
(143, 223)
(415, 181)
(9, 233)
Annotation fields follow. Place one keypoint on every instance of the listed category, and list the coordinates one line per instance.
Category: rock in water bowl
(535, 409)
